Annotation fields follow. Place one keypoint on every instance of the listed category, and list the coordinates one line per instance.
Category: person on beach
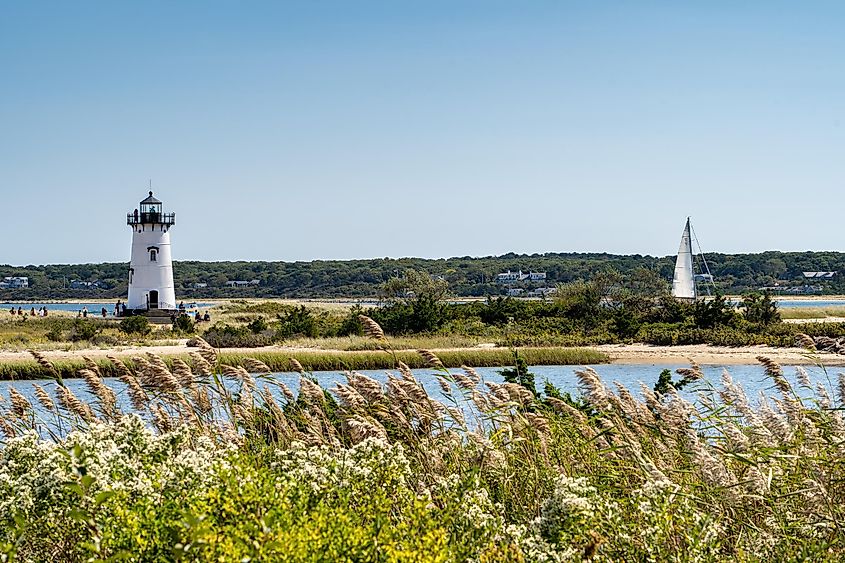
(32, 311)
(104, 312)
(12, 310)
(206, 317)
(197, 316)
(20, 312)
(117, 308)
(85, 312)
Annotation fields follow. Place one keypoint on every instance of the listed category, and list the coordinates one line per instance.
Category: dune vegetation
(207, 461)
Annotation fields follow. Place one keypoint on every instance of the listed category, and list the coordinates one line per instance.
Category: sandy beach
(713, 355)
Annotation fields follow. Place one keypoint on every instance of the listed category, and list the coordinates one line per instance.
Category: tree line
(466, 276)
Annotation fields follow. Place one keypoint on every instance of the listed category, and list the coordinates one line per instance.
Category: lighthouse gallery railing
(149, 218)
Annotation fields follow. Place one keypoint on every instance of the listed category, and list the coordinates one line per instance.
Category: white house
(14, 282)
(519, 276)
(243, 283)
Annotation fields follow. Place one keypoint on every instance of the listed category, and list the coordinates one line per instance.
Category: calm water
(786, 303)
(752, 378)
(92, 307)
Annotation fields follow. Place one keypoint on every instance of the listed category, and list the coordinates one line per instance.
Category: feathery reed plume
(92, 365)
(368, 387)
(272, 405)
(296, 366)
(840, 388)
(692, 373)
(201, 365)
(206, 350)
(539, 423)
(71, 403)
(122, 370)
(46, 364)
(445, 388)
(286, 392)
(201, 399)
(44, 398)
(20, 406)
(472, 374)
(593, 387)
(7, 428)
(310, 391)
(361, 428)
(349, 397)
(406, 372)
(430, 358)
(518, 394)
(137, 395)
(161, 419)
(159, 375)
(239, 374)
(773, 369)
(371, 328)
(805, 341)
(803, 376)
(183, 373)
(95, 384)
(256, 366)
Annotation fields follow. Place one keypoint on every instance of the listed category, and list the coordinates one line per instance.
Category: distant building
(515, 292)
(242, 283)
(79, 284)
(14, 282)
(520, 276)
(542, 292)
(819, 275)
(200, 285)
(509, 277)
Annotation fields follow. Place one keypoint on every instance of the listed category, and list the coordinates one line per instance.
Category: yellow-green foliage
(247, 470)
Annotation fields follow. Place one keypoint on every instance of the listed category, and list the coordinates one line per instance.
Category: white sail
(683, 284)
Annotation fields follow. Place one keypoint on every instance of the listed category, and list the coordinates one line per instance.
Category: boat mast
(709, 277)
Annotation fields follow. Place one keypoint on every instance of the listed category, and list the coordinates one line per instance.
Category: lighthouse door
(154, 299)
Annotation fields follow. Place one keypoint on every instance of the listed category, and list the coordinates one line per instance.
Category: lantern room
(150, 212)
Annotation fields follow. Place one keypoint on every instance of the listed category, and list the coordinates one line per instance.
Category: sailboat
(683, 283)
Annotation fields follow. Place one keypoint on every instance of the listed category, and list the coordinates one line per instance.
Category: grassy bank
(812, 313)
(338, 360)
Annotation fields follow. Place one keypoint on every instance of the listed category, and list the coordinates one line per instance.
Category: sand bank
(718, 355)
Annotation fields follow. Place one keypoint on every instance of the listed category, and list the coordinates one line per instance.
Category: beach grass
(811, 312)
(333, 360)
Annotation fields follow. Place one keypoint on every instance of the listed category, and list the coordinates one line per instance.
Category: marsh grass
(811, 312)
(357, 343)
(385, 471)
(333, 360)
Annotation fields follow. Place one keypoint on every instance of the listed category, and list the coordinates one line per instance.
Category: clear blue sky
(353, 129)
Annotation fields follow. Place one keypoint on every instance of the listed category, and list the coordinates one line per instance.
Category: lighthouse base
(155, 316)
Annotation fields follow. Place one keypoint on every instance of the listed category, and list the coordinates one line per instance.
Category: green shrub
(83, 329)
(227, 336)
(135, 325)
(184, 323)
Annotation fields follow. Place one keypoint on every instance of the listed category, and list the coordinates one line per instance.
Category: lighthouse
(151, 267)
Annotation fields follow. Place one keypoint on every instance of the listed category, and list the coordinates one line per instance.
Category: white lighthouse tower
(151, 267)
